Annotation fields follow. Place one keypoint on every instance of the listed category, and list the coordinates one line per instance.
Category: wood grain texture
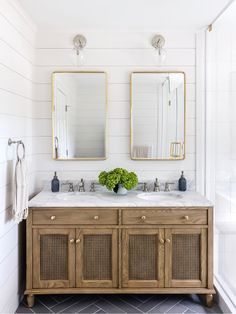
(37, 252)
(75, 216)
(169, 260)
(126, 264)
(168, 223)
(165, 216)
(81, 280)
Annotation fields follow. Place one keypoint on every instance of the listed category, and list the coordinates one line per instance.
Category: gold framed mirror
(158, 115)
(79, 115)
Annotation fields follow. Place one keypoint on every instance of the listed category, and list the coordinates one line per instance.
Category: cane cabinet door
(143, 258)
(53, 258)
(185, 257)
(96, 258)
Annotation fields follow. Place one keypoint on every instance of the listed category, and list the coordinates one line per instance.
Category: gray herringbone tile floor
(118, 304)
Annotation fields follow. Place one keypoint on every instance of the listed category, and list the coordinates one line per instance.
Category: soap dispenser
(182, 182)
(55, 183)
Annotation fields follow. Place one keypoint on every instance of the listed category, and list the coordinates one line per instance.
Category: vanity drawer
(165, 216)
(61, 216)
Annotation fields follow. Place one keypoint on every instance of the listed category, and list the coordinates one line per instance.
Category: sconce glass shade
(157, 42)
(77, 57)
(79, 43)
(159, 56)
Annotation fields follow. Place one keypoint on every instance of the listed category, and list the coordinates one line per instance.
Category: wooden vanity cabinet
(126, 250)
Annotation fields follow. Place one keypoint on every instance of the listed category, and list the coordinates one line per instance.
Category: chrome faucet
(92, 186)
(145, 186)
(167, 186)
(156, 186)
(81, 186)
(71, 186)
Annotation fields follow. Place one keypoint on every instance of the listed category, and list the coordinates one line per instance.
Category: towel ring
(17, 150)
(10, 142)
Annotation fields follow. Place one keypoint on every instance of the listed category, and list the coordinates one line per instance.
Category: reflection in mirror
(157, 115)
(79, 115)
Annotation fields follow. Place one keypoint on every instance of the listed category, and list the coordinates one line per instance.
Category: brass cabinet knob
(162, 241)
(96, 217)
(72, 240)
(53, 217)
(143, 217)
(168, 240)
(77, 241)
(186, 217)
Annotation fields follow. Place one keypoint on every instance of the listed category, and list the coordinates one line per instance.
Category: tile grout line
(77, 303)
(44, 305)
(126, 302)
(158, 304)
(174, 305)
(102, 298)
(93, 303)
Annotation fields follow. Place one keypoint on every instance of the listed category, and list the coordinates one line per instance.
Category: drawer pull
(72, 240)
(96, 217)
(77, 241)
(143, 217)
(186, 218)
(53, 217)
(168, 240)
(162, 241)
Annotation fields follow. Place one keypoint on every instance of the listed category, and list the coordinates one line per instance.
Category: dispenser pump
(182, 182)
(55, 185)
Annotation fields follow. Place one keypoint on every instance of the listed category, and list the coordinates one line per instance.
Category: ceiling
(123, 14)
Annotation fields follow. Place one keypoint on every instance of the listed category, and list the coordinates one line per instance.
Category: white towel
(20, 191)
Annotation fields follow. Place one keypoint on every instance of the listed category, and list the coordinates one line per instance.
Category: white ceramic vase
(121, 190)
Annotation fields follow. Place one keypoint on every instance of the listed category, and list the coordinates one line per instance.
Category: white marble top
(110, 199)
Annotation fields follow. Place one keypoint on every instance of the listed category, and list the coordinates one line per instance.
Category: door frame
(37, 282)
(80, 281)
(159, 282)
(169, 282)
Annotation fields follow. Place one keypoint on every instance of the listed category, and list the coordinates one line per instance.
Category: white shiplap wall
(117, 53)
(16, 88)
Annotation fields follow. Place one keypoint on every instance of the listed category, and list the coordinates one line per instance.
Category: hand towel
(20, 205)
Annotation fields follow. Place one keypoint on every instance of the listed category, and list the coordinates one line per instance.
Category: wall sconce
(79, 43)
(158, 42)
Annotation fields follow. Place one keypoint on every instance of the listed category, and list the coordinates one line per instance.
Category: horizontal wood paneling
(115, 40)
(16, 99)
(116, 74)
(120, 57)
(119, 54)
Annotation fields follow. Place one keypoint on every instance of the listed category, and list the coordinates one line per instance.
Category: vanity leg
(209, 300)
(30, 300)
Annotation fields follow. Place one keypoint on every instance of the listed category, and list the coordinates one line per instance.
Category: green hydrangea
(111, 179)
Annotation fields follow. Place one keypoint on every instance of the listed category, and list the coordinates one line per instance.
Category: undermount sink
(157, 196)
(72, 196)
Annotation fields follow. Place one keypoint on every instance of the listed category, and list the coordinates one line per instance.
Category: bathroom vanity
(103, 243)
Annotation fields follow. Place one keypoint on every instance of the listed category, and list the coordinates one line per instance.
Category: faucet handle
(145, 187)
(167, 186)
(92, 187)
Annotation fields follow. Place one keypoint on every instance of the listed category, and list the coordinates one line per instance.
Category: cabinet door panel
(96, 258)
(53, 258)
(185, 255)
(143, 258)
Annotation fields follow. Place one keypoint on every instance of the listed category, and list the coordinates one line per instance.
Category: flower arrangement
(116, 177)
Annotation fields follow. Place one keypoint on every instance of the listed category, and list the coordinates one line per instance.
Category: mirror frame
(131, 114)
(53, 118)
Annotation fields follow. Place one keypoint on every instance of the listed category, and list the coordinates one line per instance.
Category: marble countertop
(110, 199)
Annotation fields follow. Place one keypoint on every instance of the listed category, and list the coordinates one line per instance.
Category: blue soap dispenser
(55, 185)
(182, 182)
